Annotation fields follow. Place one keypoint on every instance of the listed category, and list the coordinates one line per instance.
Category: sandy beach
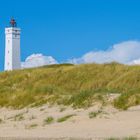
(102, 123)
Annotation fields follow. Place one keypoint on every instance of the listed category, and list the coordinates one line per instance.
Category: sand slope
(109, 123)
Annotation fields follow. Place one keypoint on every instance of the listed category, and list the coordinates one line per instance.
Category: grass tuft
(94, 114)
(65, 118)
(31, 126)
(1, 121)
(49, 120)
(18, 117)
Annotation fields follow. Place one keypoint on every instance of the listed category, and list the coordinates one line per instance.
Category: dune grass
(76, 85)
(18, 117)
(49, 120)
(31, 126)
(94, 114)
(65, 118)
(1, 120)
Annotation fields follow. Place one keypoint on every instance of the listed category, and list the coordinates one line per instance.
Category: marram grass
(75, 85)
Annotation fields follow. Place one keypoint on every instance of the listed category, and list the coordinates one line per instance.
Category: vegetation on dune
(31, 126)
(94, 114)
(48, 120)
(65, 118)
(75, 85)
(1, 120)
(18, 117)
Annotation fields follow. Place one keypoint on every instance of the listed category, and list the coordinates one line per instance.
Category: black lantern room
(13, 23)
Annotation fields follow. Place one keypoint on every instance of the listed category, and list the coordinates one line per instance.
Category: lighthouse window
(8, 51)
(8, 41)
(8, 63)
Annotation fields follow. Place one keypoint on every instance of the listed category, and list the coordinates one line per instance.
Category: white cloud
(135, 62)
(126, 52)
(37, 60)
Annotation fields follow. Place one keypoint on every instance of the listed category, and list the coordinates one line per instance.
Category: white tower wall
(12, 49)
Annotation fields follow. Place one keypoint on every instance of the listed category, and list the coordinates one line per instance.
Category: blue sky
(67, 29)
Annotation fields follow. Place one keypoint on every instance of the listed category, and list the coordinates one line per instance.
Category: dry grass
(79, 86)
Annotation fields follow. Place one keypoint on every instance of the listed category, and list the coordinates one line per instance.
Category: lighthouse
(12, 47)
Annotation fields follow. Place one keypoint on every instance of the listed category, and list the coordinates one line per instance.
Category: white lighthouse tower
(12, 47)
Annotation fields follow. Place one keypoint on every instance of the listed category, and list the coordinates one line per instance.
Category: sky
(75, 31)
